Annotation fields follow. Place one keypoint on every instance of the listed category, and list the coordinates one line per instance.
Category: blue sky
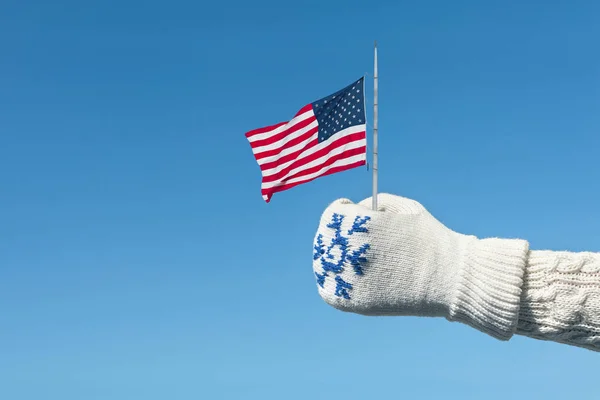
(138, 259)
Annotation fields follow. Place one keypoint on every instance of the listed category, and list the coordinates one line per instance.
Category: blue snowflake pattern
(334, 261)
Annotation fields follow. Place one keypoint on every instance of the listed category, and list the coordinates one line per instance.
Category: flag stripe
(278, 136)
(348, 142)
(294, 135)
(310, 147)
(345, 156)
(254, 134)
(262, 133)
(275, 162)
(269, 192)
(314, 170)
(307, 142)
(343, 137)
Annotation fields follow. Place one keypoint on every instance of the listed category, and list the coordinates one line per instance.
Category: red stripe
(284, 133)
(329, 161)
(292, 142)
(269, 192)
(269, 128)
(272, 127)
(288, 157)
(344, 140)
(303, 110)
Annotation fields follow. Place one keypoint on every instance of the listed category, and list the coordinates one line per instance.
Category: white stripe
(338, 163)
(286, 139)
(334, 152)
(282, 128)
(289, 150)
(317, 147)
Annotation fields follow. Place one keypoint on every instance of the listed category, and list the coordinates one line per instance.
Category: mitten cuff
(488, 288)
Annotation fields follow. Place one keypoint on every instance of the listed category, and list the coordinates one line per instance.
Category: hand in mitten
(400, 260)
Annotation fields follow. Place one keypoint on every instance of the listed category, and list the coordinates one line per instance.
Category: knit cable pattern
(561, 298)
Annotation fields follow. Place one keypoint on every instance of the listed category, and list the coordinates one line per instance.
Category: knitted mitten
(400, 260)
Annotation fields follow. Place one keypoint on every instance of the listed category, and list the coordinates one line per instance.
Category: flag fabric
(324, 137)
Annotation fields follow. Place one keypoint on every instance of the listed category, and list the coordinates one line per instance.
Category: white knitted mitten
(400, 260)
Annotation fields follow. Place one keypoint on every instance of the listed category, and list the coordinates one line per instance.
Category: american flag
(324, 137)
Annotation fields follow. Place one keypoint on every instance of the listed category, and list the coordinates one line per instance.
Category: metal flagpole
(375, 131)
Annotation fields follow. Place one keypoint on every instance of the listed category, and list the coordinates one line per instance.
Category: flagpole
(375, 115)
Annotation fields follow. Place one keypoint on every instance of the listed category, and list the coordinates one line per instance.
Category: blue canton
(334, 261)
(341, 110)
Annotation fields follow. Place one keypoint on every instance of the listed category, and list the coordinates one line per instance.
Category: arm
(400, 260)
(560, 298)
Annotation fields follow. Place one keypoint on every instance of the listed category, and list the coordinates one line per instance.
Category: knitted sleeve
(560, 300)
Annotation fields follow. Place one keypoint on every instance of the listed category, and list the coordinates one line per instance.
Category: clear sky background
(138, 259)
